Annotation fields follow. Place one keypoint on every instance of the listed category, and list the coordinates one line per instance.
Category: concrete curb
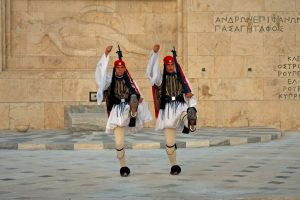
(193, 142)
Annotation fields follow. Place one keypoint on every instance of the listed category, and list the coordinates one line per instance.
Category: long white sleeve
(102, 76)
(153, 69)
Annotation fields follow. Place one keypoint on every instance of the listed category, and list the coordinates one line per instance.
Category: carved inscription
(254, 24)
(290, 72)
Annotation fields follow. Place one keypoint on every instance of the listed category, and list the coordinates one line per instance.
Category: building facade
(242, 57)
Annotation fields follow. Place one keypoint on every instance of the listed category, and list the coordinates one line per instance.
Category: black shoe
(132, 122)
(175, 170)
(124, 171)
(185, 130)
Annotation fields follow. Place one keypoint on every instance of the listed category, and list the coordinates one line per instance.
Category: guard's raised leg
(192, 118)
(133, 103)
(189, 119)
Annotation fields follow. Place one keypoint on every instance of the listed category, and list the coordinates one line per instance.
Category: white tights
(119, 142)
(170, 136)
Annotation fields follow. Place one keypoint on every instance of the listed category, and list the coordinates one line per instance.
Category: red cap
(119, 63)
(168, 59)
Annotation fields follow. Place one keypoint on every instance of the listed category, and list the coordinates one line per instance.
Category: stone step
(88, 121)
(85, 118)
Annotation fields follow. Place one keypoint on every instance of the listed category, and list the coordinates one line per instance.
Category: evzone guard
(125, 107)
(174, 102)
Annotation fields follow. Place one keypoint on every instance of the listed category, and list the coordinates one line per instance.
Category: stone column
(2, 35)
(1, 29)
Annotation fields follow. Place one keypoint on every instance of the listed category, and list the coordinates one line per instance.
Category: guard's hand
(189, 95)
(141, 100)
(108, 49)
(156, 48)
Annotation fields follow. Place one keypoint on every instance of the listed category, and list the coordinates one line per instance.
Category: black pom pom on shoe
(124, 171)
(175, 170)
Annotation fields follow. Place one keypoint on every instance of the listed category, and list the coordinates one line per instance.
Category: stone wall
(235, 53)
(242, 46)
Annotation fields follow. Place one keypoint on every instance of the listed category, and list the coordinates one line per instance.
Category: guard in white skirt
(174, 102)
(127, 112)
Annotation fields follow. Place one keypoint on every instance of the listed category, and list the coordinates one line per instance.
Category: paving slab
(253, 171)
